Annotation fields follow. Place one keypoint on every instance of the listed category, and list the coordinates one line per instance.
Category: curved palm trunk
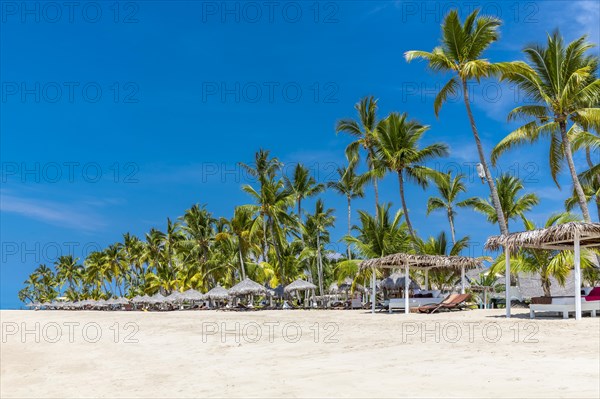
(349, 225)
(371, 160)
(488, 175)
(277, 253)
(319, 265)
(451, 221)
(242, 262)
(401, 184)
(588, 157)
(578, 189)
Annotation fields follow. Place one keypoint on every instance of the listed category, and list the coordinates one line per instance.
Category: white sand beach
(355, 354)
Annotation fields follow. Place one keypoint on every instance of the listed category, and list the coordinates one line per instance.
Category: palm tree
(460, 52)
(443, 278)
(241, 227)
(364, 130)
(562, 81)
(449, 189)
(68, 270)
(398, 149)
(513, 206)
(317, 224)
(351, 185)
(546, 263)
(302, 186)
(590, 178)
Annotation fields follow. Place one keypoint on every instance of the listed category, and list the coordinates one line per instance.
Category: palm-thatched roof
(217, 293)
(246, 287)
(421, 261)
(345, 286)
(299, 285)
(561, 236)
(192, 295)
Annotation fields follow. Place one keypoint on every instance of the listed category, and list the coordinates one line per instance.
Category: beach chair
(452, 301)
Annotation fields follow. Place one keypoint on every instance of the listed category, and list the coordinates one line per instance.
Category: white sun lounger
(565, 308)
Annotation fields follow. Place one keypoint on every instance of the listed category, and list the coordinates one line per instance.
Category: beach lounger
(452, 302)
(565, 305)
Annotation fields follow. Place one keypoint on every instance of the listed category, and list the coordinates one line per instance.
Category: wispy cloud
(59, 214)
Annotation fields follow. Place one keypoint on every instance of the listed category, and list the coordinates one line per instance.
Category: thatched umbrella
(299, 285)
(247, 287)
(193, 295)
(175, 296)
(218, 293)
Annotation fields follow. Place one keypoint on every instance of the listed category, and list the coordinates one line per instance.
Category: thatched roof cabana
(217, 293)
(299, 285)
(557, 237)
(572, 235)
(193, 295)
(416, 261)
(247, 287)
(421, 262)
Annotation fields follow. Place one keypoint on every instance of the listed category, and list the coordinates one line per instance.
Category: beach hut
(193, 295)
(300, 285)
(217, 294)
(422, 262)
(568, 236)
(247, 287)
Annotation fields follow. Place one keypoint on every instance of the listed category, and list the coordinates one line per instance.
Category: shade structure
(157, 298)
(299, 285)
(175, 296)
(193, 295)
(217, 293)
(423, 262)
(247, 287)
(122, 301)
(572, 235)
(141, 299)
(345, 286)
(33, 304)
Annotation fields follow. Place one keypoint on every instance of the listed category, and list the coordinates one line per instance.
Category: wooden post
(373, 288)
(427, 279)
(462, 280)
(406, 286)
(507, 280)
(577, 277)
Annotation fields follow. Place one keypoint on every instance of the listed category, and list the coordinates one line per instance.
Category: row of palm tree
(274, 240)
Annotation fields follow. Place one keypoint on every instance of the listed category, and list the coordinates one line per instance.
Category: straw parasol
(345, 286)
(175, 296)
(192, 295)
(299, 285)
(421, 261)
(217, 293)
(556, 237)
(247, 287)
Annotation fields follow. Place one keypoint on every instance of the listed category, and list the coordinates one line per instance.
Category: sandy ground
(297, 354)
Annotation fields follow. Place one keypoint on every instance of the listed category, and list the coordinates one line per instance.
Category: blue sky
(113, 119)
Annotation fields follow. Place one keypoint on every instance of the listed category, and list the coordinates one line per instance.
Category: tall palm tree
(398, 149)
(590, 178)
(513, 205)
(364, 130)
(460, 53)
(242, 227)
(302, 186)
(317, 223)
(449, 189)
(67, 269)
(562, 81)
(351, 185)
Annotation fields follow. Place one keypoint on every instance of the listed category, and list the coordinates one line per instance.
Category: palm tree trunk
(451, 221)
(242, 262)
(319, 264)
(578, 189)
(349, 225)
(300, 208)
(277, 253)
(401, 185)
(371, 160)
(546, 286)
(588, 157)
(486, 169)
